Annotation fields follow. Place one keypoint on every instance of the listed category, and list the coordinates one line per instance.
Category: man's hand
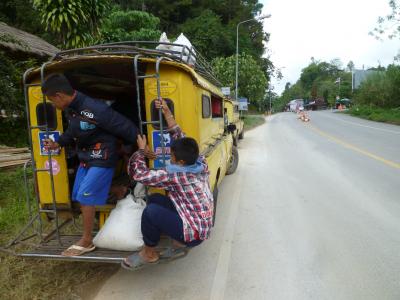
(49, 144)
(165, 109)
(149, 154)
(141, 142)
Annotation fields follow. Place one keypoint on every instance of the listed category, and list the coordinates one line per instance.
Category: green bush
(381, 89)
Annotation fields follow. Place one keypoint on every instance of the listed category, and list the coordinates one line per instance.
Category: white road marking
(372, 127)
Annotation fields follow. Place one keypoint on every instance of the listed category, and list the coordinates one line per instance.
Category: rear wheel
(233, 162)
(235, 140)
(215, 196)
(241, 135)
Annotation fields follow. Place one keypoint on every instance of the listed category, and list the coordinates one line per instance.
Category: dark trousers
(160, 217)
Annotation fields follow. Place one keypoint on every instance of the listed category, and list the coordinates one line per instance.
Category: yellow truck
(233, 117)
(130, 76)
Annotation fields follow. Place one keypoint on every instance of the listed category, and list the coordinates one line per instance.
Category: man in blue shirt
(94, 128)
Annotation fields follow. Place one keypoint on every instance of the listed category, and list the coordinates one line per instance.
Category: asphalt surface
(313, 212)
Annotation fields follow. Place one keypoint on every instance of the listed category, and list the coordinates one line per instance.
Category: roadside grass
(372, 113)
(34, 278)
(252, 121)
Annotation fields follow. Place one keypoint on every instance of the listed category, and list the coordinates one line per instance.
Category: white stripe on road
(221, 272)
(366, 126)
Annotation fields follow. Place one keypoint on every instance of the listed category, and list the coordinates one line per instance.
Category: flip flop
(135, 262)
(79, 250)
(172, 253)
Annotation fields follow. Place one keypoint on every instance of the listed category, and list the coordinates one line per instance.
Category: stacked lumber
(13, 157)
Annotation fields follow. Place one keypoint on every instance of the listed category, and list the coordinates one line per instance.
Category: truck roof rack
(185, 54)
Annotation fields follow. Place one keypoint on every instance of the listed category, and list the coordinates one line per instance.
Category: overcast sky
(325, 29)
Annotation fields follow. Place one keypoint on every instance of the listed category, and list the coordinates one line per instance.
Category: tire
(241, 135)
(235, 140)
(233, 162)
(215, 196)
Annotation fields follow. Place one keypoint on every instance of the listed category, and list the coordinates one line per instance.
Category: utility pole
(237, 49)
(270, 99)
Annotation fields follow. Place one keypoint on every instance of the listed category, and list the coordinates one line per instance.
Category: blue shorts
(92, 185)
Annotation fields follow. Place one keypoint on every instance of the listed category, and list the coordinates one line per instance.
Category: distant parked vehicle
(296, 104)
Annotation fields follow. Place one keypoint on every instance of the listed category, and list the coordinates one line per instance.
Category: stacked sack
(182, 41)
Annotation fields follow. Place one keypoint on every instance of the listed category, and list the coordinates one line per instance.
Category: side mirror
(231, 127)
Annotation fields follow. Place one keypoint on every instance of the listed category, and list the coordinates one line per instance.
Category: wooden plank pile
(13, 157)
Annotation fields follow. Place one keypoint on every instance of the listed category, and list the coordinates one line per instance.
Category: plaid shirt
(189, 192)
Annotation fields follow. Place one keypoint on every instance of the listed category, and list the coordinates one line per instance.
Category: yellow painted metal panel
(60, 172)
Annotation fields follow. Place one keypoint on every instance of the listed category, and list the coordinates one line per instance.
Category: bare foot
(149, 254)
(84, 242)
(80, 247)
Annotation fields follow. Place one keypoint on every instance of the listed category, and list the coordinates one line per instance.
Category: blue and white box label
(54, 136)
(158, 162)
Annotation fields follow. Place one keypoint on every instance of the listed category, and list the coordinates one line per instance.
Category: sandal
(172, 253)
(135, 262)
(76, 250)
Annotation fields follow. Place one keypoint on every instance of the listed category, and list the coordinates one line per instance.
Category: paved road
(313, 212)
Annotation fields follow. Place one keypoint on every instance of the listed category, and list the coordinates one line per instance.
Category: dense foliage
(74, 23)
(381, 89)
(12, 127)
(130, 25)
(252, 82)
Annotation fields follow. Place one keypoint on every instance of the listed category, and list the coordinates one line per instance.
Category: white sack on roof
(163, 39)
(186, 55)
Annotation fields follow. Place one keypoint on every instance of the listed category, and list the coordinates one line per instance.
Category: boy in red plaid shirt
(186, 213)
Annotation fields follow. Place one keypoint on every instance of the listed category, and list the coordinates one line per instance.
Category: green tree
(350, 66)
(130, 25)
(17, 13)
(390, 24)
(252, 82)
(208, 35)
(74, 22)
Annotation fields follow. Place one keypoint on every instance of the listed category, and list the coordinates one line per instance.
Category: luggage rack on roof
(186, 55)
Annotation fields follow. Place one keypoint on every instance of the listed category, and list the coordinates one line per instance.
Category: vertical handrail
(136, 59)
(53, 195)
(28, 120)
(160, 115)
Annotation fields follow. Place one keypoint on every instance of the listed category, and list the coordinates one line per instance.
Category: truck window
(155, 115)
(217, 107)
(206, 106)
(46, 112)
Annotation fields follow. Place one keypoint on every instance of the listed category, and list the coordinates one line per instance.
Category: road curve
(313, 212)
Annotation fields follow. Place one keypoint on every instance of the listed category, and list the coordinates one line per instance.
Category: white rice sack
(163, 39)
(121, 230)
(183, 40)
